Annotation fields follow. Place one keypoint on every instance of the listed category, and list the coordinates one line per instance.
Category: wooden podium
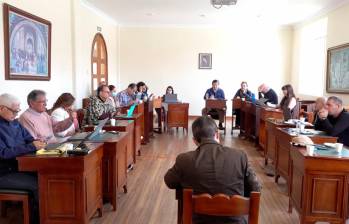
(177, 115)
(217, 104)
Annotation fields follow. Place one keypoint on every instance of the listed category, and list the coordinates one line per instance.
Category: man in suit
(212, 168)
(15, 140)
(215, 93)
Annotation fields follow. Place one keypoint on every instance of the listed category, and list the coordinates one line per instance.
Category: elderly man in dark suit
(212, 168)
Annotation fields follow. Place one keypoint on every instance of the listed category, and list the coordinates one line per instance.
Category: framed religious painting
(338, 69)
(27, 45)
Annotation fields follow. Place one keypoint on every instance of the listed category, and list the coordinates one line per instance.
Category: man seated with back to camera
(212, 168)
(334, 120)
(215, 93)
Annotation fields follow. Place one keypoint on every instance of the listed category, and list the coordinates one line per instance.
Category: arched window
(99, 62)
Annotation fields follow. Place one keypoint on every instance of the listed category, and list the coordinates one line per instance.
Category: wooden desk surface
(70, 187)
(319, 185)
(124, 116)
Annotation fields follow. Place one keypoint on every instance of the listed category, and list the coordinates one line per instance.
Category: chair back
(85, 103)
(220, 205)
(80, 116)
(157, 102)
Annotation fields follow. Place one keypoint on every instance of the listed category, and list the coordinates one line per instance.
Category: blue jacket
(219, 94)
(14, 139)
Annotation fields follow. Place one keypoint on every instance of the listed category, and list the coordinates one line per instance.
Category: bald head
(320, 103)
(263, 88)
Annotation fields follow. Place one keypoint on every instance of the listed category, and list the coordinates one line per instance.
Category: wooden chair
(85, 103)
(80, 114)
(16, 195)
(220, 205)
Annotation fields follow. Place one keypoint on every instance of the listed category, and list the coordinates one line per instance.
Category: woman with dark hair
(61, 110)
(288, 103)
(142, 91)
(169, 90)
(112, 98)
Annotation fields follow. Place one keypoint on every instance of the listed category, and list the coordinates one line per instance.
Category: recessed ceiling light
(202, 15)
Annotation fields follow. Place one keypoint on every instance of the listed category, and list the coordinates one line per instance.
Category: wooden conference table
(71, 188)
(123, 126)
(176, 115)
(253, 120)
(319, 185)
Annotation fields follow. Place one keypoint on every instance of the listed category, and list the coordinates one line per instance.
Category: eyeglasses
(41, 101)
(14, 112)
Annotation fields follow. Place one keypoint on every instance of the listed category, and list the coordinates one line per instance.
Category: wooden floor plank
(150, 201)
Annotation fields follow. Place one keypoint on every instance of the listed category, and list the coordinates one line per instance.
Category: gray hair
(8, 100)
(336, 100)
(33, 95)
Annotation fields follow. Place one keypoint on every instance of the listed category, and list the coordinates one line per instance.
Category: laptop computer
(262, 102)
(89, 135)
(170, 98)
(131, 110)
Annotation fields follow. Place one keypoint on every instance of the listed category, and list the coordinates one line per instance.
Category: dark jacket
(15, 140)
(213, 168)
(337, 127)
(271, 96)
(241, 94)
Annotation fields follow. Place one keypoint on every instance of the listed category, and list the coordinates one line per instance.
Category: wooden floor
(149, 201)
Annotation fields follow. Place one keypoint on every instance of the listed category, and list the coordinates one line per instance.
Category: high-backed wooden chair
(16, 195)
(220, 205)
(85, 103)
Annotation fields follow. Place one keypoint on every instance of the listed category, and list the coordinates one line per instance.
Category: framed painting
(27, 40)
(205, 61)
(338, 69)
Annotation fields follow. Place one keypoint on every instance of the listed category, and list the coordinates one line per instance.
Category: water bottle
(298, 126)
(253, 98)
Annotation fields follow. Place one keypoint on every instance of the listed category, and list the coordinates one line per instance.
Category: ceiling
(201, 12)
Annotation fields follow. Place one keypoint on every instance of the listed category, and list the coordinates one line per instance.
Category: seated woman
(142, 91)
(242, 93)
(169, 90)
(288, 103)
(61, 110)
(112, 98)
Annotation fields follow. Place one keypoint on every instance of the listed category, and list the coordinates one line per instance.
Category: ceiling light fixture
(219, 3)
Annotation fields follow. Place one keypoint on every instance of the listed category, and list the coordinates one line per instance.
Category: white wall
(85, 26)
(336, 33)
(58, 12)
(73, 30)
(169, 56)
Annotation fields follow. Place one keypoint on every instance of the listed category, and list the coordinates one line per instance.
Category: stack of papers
(49, 152)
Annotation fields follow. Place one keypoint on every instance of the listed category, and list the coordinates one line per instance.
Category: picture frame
(205, 61)
(27, 45)
(337, 72)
